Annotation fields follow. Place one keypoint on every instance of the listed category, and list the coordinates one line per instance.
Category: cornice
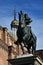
(3, 45)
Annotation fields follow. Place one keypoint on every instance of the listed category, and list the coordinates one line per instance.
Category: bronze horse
(25, 34)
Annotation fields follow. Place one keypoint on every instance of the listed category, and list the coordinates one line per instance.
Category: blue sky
(34, 8)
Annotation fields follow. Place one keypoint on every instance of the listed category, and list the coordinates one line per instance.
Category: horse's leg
(22, 48)
(33, 47)
(28, 48)
(17, 42)
(24, 43)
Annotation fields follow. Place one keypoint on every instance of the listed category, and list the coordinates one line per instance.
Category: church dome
(14, 24)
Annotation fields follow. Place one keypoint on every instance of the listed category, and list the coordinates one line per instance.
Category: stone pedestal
(26, 59)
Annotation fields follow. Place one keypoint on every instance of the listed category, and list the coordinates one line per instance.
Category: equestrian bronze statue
(25, 34)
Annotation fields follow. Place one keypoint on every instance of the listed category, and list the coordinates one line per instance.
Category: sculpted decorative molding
(3, 45)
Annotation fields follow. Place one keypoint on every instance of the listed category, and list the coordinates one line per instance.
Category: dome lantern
(14, 23)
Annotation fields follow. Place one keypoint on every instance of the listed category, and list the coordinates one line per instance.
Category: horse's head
(27, 19)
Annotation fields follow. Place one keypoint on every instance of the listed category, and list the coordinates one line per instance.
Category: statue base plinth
(26, 59)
